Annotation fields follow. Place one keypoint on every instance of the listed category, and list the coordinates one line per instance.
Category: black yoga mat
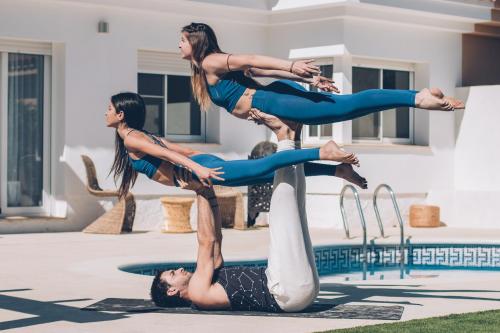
(317, 310)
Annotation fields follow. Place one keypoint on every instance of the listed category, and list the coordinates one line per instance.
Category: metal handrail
(398, 214)
(361, 215)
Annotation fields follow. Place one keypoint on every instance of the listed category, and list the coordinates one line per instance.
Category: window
(24, 141)
(394, 125)
(171, 110)
(319, 133)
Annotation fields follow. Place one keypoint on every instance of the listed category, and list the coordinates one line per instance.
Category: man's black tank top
(246, 288)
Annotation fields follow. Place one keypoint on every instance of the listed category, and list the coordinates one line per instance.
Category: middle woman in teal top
(224, 79)
(138, 151)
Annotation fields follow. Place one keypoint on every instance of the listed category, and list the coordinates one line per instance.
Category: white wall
(477, 181)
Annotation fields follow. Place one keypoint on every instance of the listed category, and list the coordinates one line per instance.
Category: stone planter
(177, 214)
(230, 203)
(424, 216)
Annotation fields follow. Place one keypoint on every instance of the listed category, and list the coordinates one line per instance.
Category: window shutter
(16, 46)
(162, 62)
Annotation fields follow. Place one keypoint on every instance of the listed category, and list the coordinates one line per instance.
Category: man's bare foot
(345, 171)
(331, 152)
(456, 103)
(434, 99)
(284, 129)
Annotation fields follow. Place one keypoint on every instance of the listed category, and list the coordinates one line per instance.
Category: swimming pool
(345, 262)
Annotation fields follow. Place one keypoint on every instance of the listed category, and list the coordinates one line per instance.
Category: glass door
(24, 133)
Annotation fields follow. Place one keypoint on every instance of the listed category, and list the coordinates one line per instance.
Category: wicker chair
(118, 219)
(259, 196)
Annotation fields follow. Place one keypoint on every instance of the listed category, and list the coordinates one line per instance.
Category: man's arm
(210, 222)
(209, 250)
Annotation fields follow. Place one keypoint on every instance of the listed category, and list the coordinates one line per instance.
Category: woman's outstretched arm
(185, 151)
(220, 63)
(318, 81)
(137, 143)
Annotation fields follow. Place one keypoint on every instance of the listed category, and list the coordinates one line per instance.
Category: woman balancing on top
(225, 79)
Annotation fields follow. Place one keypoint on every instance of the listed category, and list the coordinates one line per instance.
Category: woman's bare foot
(331, 152)
(456, 103)
(284, 129)
(345, 171)
(424, 99)
(434, 99)
(436, 92)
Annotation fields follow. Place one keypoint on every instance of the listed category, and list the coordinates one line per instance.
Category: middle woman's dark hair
(134, 110)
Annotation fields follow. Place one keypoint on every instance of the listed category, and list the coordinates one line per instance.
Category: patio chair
(118, 219)
(259, 196)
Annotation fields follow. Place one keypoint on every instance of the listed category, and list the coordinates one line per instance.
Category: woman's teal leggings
(261, 171)
(289, 100)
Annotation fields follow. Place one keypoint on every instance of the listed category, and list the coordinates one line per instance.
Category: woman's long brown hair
(203, 42)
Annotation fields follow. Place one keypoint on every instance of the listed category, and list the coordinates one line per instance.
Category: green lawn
(476, 322)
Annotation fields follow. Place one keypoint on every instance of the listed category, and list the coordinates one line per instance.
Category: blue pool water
(345, 263)
(410, 274)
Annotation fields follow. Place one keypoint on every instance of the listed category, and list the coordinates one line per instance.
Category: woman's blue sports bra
(147, 164)
(228, 90)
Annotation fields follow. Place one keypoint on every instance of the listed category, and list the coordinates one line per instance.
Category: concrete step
(483, 34)
(492, 28)
(31, 224)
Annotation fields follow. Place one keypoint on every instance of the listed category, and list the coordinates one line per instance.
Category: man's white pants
(291, 273)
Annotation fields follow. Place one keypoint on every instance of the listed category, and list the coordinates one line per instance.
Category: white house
(61, 60)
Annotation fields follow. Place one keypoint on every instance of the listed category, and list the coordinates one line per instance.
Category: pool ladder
(400, 220)
(362, 220)
(379, 220)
